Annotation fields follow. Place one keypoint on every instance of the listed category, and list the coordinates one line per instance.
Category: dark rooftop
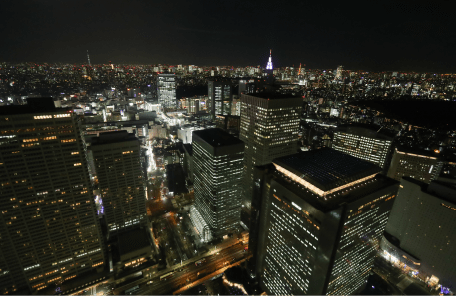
(327, 168)
(113, 137)
(216, 137)
(366, 130)
(273, 95)
(176, 178)
(133, 240)
(188, 148)
(34, 105)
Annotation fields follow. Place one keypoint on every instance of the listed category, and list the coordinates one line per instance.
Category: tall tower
(166, 90)
(49, 229)
(217, 161)
(220, 97)
(270, 69)
(116, 161)
(323, 213)
(269, 64)
(339, 71)
(269, 129)
(88, 57)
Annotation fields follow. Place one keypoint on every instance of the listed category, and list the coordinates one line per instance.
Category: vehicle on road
(131, 290)
(150, 282)
(166, 276)
(200, 262)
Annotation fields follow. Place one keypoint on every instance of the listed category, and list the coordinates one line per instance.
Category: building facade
(364, 143)
(220, 96)
(50, 232)
(166, 90)
(269, 128)
(423, 166)
(421, 231)
(217, 165)
(115, 158)
(322, 216)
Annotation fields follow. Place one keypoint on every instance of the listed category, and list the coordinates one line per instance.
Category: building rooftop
(188, 148)
(326, 169)
(176, 178)
(272, 95)
(366, 130)
(113, 137)
(133, 240)
(34, 105)
(217, 137)
(420, 152)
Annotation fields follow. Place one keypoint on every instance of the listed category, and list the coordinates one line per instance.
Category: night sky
(368, 35)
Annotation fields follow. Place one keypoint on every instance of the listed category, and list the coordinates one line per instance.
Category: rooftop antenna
(88, 57)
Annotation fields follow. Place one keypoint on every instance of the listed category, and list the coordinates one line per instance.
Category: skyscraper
(220, 95)
(421, 231)
(115, 157)
(363, 142)
(269, 129)
(49, 229)
(424, 166)
(166, 90)
(322, 216)
(217, 164)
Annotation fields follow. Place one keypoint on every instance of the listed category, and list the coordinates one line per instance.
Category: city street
(189, 273)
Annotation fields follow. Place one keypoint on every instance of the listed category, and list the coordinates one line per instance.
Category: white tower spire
(269, 65)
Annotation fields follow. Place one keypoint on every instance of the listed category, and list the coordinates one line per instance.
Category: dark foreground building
(322, 215)
(49, 231)
(421, 231)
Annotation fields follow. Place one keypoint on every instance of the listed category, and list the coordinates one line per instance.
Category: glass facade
(220, 96)
(217, 182)
(269, 129)
(166, 90)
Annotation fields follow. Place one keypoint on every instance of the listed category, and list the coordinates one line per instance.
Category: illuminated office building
(115, 157)
(322, 216)
(364, 143)
(269, 128)
(422, 165)
(166, 90)
(217, 164)
(421, 231)
(49, 229)
(220, 95)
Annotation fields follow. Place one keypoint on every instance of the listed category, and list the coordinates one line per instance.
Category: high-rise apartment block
(424, 166)
(364, 143)
(115, 157)
(322, 216)
(220, 95)
(217, 164)
(421, 231)
(166, 90)
(269, 129)
(50, 232)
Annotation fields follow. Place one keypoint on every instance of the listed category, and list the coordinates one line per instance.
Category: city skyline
(222, 148)
(391, 37)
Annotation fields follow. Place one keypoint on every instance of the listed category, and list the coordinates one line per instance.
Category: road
(158, 207)
(190, 272)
